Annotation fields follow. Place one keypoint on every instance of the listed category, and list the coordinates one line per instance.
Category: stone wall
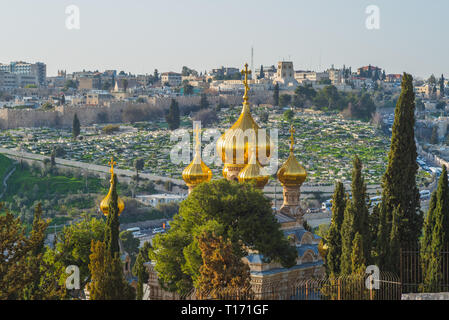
(62, 116)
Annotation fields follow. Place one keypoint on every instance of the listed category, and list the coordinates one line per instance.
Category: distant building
(36, 70)
(285, 74)
(155, 199)
(336, 76)
(172, 78)
(224, 72)
(10, 81)
(98, 97)
(89, 83)
(312, 76)
(393, 77)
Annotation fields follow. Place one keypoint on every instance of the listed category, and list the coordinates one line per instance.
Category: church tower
(292, 175)
(197, 171)
(235, 144)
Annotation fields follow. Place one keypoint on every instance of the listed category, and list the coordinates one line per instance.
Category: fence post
(307, 290)
(339, 289)
(401, 279)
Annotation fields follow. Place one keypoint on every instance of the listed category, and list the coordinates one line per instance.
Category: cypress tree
(436, 234)
(204, 103)
(76, 127)
(361, 214)
(173, 116)
(276, 95)
(347, 236)
(394, 244)
(399, 181)
(334, 237)
(382, 239)
(112, 223)
(358, 262)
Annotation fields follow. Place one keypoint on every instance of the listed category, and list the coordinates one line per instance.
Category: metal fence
(413, 273)
(353, 287)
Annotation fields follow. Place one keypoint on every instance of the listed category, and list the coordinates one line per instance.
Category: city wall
(62, 116)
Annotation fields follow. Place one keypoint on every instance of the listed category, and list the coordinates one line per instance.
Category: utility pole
(252, 61)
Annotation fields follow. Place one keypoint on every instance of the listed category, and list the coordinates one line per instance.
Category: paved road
(85, 166)
(5, 179)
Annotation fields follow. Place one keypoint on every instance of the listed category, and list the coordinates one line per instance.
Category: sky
(140, 35)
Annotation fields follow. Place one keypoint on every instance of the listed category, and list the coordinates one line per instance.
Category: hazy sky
(140, 35)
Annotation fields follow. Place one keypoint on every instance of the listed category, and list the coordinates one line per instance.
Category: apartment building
(27, 70)
(172, 78)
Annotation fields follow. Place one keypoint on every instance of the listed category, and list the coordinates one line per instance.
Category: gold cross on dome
(292, 140)
(245, 72)
(197, 155)
(112, 163)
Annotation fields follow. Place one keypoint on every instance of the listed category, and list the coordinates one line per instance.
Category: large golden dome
(234, 144)
(254, 172)
(291, 173)
(104, 204)
(197, 171)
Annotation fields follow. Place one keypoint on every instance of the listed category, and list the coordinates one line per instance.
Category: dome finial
(245, 72)
(104, 205)
(197, 131)
(112, 163)
(292, 139)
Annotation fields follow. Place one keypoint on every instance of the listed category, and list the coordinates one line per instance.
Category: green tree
(107, 281)
(188, 89)
(112, 222)
(72, 247)
(222, 272)
(138, 165)
(238, 212)
(359, 201)
(436, 235)
(204, 103)
(24, 274)
(139, 269)
(333, 238)
(276, 94)
(358, 262)
(399, 181)
(441, 83)
(173, 116)
(288, 115)
(76, 127)
(347, 237)
(130, 244)
(284, 100)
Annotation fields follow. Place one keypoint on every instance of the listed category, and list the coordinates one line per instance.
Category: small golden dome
(197, 171)
(104, 205)
(291, 173)
(236, 142)
(254, 172)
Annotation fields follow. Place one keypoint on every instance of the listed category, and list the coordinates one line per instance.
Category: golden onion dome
(236, 141)
(254, 172)
(197, 171)
(104, 204)
(291, 173)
